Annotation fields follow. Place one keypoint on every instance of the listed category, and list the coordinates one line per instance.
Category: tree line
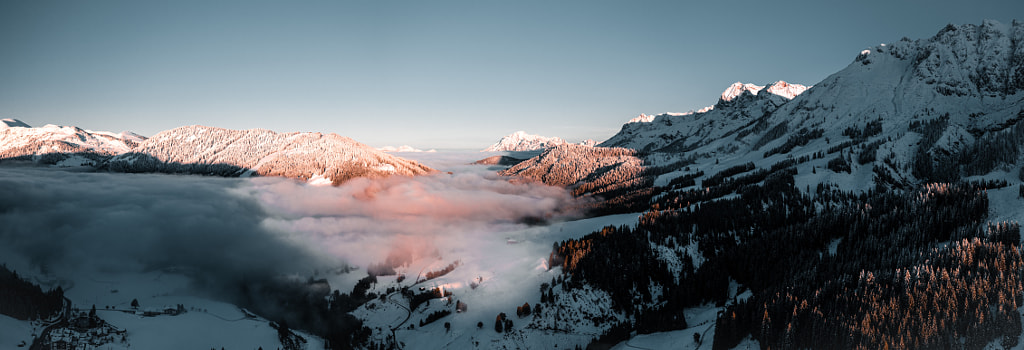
(826, 268)
(24, 300)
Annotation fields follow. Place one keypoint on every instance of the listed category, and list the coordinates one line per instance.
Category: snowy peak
(780, 88)
(642, 118)
(738, 88)
(960, 60)
(521, 141)
(740, 105)
(13, 123)
(787, 90)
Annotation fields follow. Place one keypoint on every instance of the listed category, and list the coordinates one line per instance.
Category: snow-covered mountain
(780, 88)
(12, 123)
(520, 141)
(549, 167)
(600, 171)
(61, 145)
(969, 78)
(788, 173)
(404, 148)
(302, 155)
(313, 157)
(738, 106)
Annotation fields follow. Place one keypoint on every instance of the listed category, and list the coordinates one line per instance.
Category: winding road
(408, 312)
(37, 343)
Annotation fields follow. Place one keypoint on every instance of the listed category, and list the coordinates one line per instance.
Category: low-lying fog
(223, 230)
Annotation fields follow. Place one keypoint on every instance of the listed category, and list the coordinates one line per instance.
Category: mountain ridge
(974, 74)
(825, 217)
(520, 141)
(61, 145)
(197, 149)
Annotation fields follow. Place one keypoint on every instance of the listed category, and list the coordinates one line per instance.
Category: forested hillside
(856, 215)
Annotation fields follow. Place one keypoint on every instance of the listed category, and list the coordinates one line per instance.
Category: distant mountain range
(520, 141)
(404, 149)
(205, 150)
(61, 145)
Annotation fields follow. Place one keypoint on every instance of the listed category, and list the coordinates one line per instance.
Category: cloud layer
(120, 222)
(363, 219)
(224, 230)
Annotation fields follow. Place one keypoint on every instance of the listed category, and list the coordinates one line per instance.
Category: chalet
(60, 345)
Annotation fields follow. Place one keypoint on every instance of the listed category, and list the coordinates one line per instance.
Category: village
(80, 330)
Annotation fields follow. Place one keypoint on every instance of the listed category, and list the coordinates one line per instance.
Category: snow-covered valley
(104, 250)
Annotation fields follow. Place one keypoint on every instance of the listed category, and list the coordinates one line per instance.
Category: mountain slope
(208, 150)
(740, 105)
(846, 215)
(615, 176)
(967, 78)
(61, 145)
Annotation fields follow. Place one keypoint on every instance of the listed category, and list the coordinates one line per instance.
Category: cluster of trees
(929, 164)
(883, 235)
(444, 271)
(839, 165)
(415, 300)
(737, 184)
(502, 323)
(772, 134)
(989, 150)
(993, 149)
(836, 148)
(310, 305)
(801, 138)
(868, 152)
(716, 179)
(686, 180)
(23, 300)
(434, 316)
(871, 128)
(524, 310)
(858, 270)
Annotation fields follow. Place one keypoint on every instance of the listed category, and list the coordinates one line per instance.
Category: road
(408, 312)
(37, 343)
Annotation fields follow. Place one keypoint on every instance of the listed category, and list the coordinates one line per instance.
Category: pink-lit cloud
(363, 219)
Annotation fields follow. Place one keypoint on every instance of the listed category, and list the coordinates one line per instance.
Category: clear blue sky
(429, 74)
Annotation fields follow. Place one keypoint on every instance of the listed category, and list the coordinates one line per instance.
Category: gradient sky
(429, 74)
